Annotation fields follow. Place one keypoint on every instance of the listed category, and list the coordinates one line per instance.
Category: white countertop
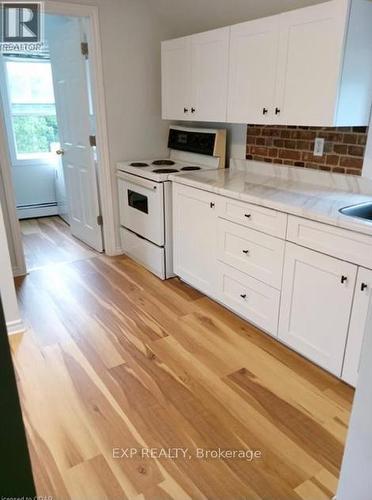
(313, 195)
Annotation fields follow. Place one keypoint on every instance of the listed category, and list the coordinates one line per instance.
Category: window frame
(45, 158)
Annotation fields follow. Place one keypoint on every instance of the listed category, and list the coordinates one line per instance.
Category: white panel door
(316, 303)
(253, 67)
(210, 65)
(74, 125)
(194, 237)
(362, 301)
(176, 79)
(310, 63)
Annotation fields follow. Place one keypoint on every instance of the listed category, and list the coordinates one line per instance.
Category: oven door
(142, 207)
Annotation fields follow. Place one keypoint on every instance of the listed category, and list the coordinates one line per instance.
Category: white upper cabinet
(195, 76)
(309, 63)
(309, 67)
(253, 67)
(209, 67)
(176, 78)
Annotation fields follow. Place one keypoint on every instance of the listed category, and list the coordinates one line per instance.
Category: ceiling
(185, 17)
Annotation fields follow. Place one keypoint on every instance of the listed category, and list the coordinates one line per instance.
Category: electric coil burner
(190, 168)
(163, 162)
(165, 170)
(139, 164)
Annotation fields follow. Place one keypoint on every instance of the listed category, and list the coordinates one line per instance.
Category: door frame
(105, 178)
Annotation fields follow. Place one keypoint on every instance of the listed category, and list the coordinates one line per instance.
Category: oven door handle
(138, 181)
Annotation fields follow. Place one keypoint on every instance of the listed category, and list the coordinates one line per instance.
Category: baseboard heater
(37, 210)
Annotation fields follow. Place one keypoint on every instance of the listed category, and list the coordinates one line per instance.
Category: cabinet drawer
(346, 245)
(248, 297)
(257, 254)
(144, 252)
(253, 216)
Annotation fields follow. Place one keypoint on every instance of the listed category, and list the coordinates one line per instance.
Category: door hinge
(92, 140)
(84, 49)
(100, 220)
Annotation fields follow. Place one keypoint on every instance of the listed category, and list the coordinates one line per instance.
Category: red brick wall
(290, 145)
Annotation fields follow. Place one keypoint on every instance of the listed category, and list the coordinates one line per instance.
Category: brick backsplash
(291, 145)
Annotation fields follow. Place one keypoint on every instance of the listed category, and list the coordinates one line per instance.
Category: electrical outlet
(318, 146)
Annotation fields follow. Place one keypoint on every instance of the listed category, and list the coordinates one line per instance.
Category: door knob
(343, 279)
(363, 286)
(265, 111)
(193, 110)
(277, 111)
(185, 110)
(60, 152)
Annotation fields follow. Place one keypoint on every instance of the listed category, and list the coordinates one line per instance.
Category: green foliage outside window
(34, 134)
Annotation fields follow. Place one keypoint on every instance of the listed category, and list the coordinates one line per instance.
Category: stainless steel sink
(361, 211)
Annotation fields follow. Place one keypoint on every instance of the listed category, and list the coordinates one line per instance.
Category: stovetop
(159, 169)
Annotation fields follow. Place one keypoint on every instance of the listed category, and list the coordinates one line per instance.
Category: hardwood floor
(115, 358)
(48, 241)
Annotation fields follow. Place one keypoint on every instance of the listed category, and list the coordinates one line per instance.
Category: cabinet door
(310, 62)
(316, 303)
(176, 79)
(253, 65)
(362, 300)
(194, 228)
(210, 64)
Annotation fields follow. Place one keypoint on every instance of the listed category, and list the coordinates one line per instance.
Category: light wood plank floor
(48, 241)
(115, 358)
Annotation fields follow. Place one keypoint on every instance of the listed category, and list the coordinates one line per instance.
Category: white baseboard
(36, 211)
(16, 326)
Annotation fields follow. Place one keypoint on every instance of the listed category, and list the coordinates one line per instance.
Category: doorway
(48, 104)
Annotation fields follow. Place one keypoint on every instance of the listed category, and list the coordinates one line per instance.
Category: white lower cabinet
(312, 302)
(253, 300)
(362, 301)
(317, 296)
(194, 238)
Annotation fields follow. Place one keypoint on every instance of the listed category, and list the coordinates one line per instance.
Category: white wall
(34, 184)
(192, 16)
(7, 290)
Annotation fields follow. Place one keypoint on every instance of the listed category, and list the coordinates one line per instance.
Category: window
(32, 108)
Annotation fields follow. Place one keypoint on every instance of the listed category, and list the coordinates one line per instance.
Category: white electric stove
(145, 194)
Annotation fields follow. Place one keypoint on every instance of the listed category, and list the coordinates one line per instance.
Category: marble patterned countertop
(311, 194)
